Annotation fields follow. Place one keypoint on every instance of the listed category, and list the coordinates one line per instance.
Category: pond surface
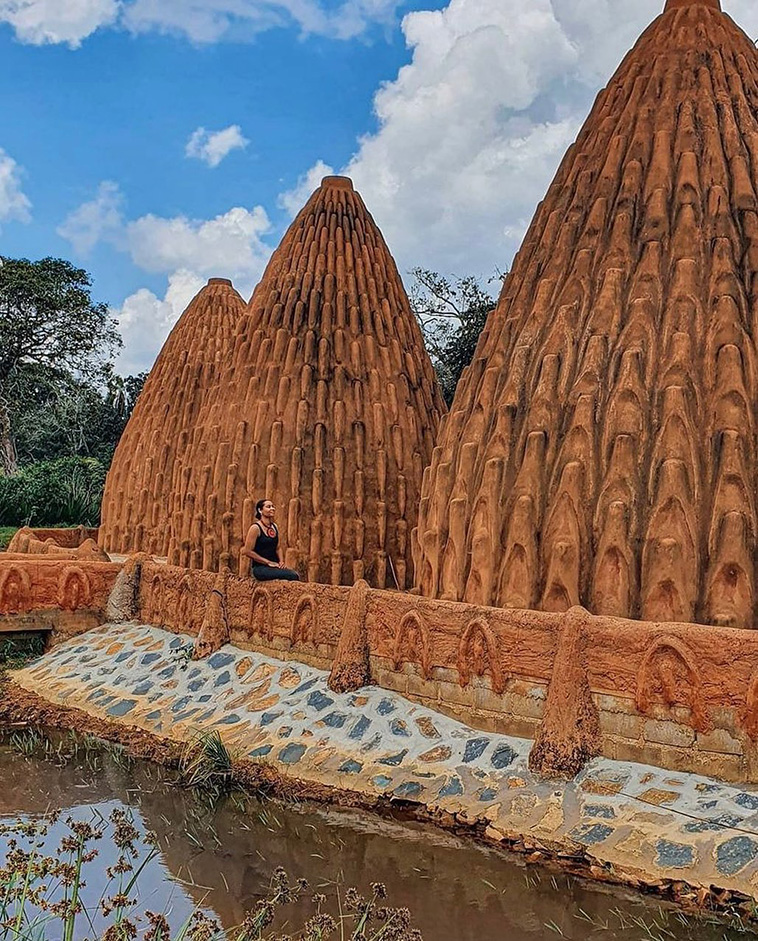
(220, 857)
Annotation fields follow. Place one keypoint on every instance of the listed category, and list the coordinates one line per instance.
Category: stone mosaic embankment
(441, 705)
(633, 823)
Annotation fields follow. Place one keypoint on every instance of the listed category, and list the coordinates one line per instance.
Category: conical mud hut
(325, 402)
(139, 493)
(601, 449)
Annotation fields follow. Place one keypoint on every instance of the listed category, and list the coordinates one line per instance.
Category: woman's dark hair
(258, 507)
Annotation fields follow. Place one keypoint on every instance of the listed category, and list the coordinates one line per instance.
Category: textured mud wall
(325, 401)
(71, 538)
(70, 544)
(145, 485)
(65, 597)
(601, 449)
(681, 696)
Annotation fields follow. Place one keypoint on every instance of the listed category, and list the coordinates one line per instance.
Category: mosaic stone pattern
(378, 743)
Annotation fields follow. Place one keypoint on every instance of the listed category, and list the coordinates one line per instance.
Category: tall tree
(55, 416)
(452, 314)
(48, 320)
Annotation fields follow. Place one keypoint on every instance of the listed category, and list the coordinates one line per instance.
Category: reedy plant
(41, 894)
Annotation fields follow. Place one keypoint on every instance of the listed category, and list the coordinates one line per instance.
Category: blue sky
(122, 108)
(451, 116)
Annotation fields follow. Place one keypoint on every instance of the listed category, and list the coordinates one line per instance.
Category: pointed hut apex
(337, 183)
(672, 5)
(225, 281)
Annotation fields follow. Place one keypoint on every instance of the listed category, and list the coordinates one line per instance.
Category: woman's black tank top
(266, 545)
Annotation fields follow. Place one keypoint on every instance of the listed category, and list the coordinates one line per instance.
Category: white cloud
(230, 245)
(472, 130)
(145, 320)
(612, 24)
(187, 251)
(212, 146)
(95, 221)
(293, 200)
(14, 204)
(57, 21)
(72, 21)
(212, 20)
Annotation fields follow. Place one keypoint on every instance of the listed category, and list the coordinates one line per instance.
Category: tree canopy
(452, 314)
(48, 318)
(56, 344)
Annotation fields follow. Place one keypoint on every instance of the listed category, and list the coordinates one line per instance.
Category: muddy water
(220, 858)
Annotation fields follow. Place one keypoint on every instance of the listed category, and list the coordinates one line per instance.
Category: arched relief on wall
(74, 590)
(750, 713)
(15, 590)
(413, 643)
(262, 613)
(669, 674)
(185, 610)
(155, 604)
(479, 653)
(305, 622)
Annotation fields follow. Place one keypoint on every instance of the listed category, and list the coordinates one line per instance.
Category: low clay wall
(680, 696)
(62, 597)
(67, 538)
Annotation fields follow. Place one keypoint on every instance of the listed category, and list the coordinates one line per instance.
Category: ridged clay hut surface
(328, 405)
(140, 489)
(601, 449)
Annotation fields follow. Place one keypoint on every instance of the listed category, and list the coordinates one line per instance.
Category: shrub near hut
(63, 492)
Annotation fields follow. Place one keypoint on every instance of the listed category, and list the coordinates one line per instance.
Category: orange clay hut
(601, 449)
(139, 491)
(325, 402)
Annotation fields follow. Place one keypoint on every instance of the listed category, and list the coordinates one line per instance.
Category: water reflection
(221, 858)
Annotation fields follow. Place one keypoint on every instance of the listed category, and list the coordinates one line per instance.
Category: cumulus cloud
(202, 21)
(57, 21)
(14, 204)
(472, 130)
(294, 199)
(231, 245)
(212, 146)
(145, 320)
(187, 251)
(97, 220)
(212, 20)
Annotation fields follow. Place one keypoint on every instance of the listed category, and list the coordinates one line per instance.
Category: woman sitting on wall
(262, 546)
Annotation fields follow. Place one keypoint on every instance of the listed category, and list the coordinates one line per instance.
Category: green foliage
(6, 534)
(452, 315)
(18, 649)
(206, 763)
(48, 317)
(67, 491)
(58, 393)
(55, 415)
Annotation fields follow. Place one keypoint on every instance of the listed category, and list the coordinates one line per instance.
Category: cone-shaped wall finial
(679, 4)
(602, 449)
(139, 492)
(328, 405)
